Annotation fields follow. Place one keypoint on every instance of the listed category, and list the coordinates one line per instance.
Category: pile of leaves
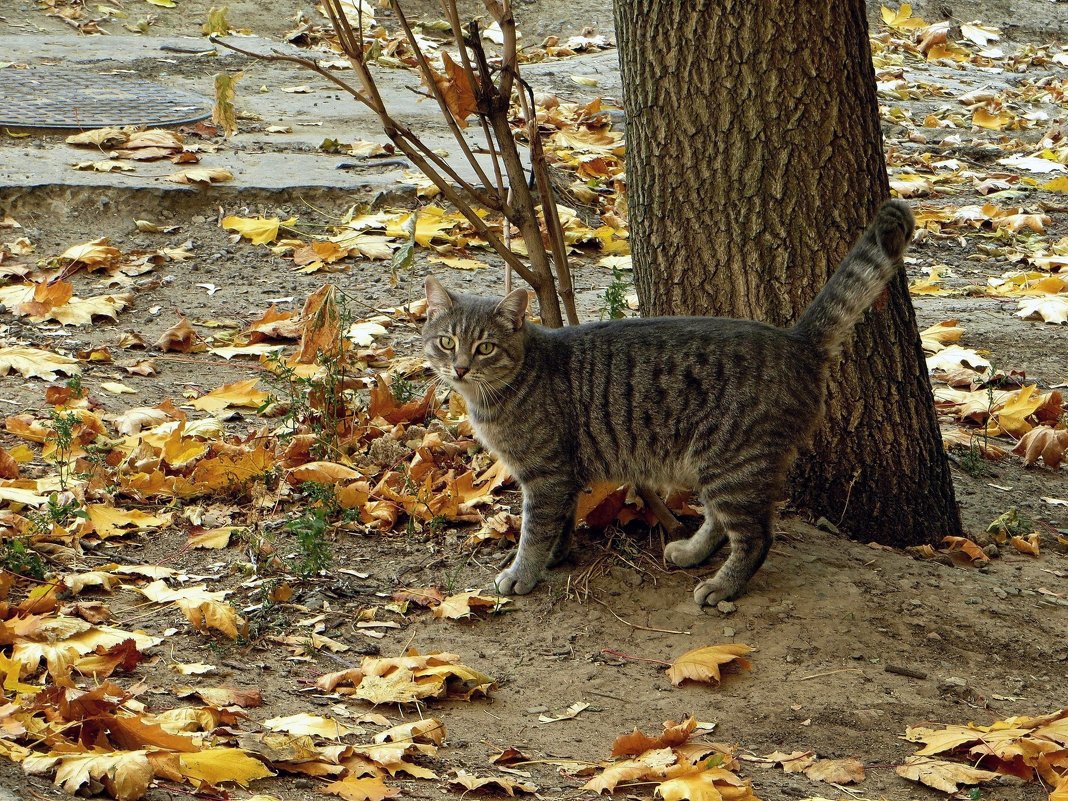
(676, 762)
(1026, 748)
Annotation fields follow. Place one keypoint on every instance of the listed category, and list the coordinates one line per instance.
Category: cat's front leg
(548, 510)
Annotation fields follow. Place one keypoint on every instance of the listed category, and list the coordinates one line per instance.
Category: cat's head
(476, 344)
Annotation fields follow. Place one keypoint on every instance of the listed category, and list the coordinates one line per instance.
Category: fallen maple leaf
(36, 363)
(467, 604)
(1029, 546)
(303, 724)
(126, 774)
(1043, 443)
(1048, 309)
(210, 767)
(702, 664)
(638, 742)
(257, 230)
(942, 774)
(836, 771)
(370, 788)
(93, 255)
(499, 783)
(240, 393)
(180, 337)
(200, 175)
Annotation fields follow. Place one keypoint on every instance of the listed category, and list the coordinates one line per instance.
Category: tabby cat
(720, 405)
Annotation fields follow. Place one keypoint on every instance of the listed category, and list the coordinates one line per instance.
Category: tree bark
(754, 160)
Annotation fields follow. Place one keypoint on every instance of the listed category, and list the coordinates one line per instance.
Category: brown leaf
(836, 771)
(942, 774)
(9, 468)
(457, 89)
(180, 337)
(1043, 443)
(370, 788)
(637, 742)
(500, 784)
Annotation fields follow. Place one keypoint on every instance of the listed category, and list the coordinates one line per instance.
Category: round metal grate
(54, 97)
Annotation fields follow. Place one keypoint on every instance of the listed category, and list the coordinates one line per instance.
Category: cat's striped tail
(859, 280)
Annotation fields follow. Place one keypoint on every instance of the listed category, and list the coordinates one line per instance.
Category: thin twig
(428, 76)
(830, 673)
(638, 626)
(629, 658)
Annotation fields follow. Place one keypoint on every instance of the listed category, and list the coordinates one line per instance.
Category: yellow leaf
(929, 285)
(836, 771)
(1028, 546)
(179, 451)
(200, 175)
(902, 18)
(204, 609)
(942, 774)
(239, 393)
(303, 724)
(713, 784)
(458, 263)
(702, 664)
(651, 765)
(369, 788)
(117, 388)
(992, 121)
(471, 782)
(214, 538)
(214, 766)
(97, 253)
(223, 112)
(324, 472)
(1058, 184)
(257, 230)
(162, 3)
(36, 363)
(109, 521)
(429, 730)
(466, 604)
(126, 774)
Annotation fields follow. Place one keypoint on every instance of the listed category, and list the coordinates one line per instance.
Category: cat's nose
(461, 371)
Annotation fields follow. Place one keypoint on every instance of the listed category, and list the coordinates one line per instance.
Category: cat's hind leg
(749, 527)
(548, 513)
(704, 542)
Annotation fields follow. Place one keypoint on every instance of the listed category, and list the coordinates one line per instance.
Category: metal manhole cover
(53, 97)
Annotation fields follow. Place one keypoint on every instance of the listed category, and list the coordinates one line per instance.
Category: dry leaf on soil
(703, 664)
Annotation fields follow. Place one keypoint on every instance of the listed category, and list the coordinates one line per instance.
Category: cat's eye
(485, 348)
(447, 342)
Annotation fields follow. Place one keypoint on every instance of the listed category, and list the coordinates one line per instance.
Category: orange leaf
(702, 664)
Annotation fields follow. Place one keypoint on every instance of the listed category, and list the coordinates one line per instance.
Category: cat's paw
(681, 554)
(515, 581)
(714, 590)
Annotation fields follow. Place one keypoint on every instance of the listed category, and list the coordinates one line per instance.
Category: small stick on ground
(905, 671)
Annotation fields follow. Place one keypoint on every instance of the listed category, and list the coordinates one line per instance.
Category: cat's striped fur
(720, 405)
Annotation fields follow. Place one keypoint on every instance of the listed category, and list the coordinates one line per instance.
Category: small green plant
(74, 384)
(63, 437)
(16, 556)
(615, 297)
(310, 530)
(970, 458)
(55, 513)
(403, 390)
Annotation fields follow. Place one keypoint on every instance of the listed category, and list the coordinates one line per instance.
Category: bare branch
(428, 77)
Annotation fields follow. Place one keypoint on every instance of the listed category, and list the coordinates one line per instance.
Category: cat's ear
(513, 308)
(438, 298)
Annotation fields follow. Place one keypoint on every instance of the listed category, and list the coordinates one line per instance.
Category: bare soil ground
(827, 616)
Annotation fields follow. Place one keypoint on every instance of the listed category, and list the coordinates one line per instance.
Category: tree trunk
(754, 160)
